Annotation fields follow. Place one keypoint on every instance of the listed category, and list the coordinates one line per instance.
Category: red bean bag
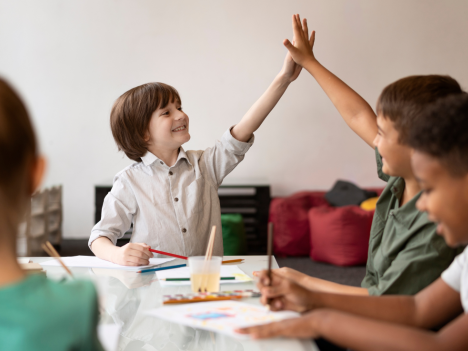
(340, 235)
(291, 223)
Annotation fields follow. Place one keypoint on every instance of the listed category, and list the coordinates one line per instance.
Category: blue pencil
(161, 268)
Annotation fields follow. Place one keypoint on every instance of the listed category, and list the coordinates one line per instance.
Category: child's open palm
(301, 48)
(291, 69)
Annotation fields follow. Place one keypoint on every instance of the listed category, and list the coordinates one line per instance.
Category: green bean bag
(233, 234)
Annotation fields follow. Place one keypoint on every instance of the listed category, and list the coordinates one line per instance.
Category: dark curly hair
(441, 131)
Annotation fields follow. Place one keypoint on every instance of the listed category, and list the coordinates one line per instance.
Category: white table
(125, 296)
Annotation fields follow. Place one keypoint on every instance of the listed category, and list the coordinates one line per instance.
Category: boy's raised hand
(284, 294)
(291, 69)
(301, 48)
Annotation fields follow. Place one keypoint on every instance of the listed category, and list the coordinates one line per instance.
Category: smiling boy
(171, 195)
(440, 163)
(405, 253)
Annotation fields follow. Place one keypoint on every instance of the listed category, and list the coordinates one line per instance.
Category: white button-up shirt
(172, 208)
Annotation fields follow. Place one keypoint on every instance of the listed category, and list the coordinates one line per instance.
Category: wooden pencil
(203, 300)
(233, 261)
(269, 252)
(208, 255)
(50, 250)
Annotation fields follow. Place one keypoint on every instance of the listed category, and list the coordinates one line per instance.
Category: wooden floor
(343, 275)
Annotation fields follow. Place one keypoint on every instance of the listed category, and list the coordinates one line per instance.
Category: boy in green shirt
(35, 313)
(368, 323)
(405, 253)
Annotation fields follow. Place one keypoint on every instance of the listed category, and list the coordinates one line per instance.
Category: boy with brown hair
(171, 195)
(440, 163)
(405, 253)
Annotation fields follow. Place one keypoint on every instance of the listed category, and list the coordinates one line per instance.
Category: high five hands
(301, 49)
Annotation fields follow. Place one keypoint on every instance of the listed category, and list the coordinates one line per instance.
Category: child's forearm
(353, 108)
(103, 248)
(358, 333)
(322, 285)
(395, 309)
(260, 109)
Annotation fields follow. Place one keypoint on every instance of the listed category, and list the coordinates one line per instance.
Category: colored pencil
(161, 268)
(187, 279)
(186, 258)
(169, 254)
(203, 300)
(269, 251)
(233, 261)
(50, 250)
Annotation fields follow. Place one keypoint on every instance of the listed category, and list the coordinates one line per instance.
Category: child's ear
(37, 173)
(147, 136)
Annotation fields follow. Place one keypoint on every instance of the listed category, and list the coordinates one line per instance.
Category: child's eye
(165, 113)
(180, 108)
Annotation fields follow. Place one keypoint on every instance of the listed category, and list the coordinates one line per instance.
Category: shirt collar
(408, 214)
(149, 158)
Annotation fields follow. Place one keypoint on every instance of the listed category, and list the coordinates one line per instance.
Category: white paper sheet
(109, 336)
(220, 316)
(24, 260)
(184, 272)
(94, 262)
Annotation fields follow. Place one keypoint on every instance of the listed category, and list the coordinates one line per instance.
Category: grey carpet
(342, 275)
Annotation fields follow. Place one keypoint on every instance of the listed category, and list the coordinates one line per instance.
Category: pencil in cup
(205, 274)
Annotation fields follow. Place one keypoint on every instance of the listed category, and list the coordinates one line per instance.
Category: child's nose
(421, 203)
(180, 115)
(375, 141)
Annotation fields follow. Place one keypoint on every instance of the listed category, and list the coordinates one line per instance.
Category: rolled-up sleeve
(118, 210)
(224, 156)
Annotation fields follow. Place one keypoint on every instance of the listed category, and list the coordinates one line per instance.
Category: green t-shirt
(41, 314)
(405, 252)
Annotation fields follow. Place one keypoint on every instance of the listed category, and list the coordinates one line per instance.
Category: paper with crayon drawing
(220, 316)
(94, 262)
(184, 272)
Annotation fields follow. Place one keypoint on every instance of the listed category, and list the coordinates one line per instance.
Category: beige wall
(71, 59)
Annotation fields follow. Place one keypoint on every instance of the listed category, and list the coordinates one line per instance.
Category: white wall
(72, 59)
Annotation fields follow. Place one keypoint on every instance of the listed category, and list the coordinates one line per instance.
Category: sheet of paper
(108, 335)
(24, 260)
(184, 272)
(220, 316)
(94, 262)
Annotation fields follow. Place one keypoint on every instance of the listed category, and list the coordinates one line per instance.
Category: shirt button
(184, 230)
(176, 199)
(161, 162)
(170, 173)
(391, 213)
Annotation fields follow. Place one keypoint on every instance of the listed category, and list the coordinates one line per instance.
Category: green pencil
(187, 279)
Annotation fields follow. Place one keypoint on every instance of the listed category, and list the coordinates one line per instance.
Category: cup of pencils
(205, 273)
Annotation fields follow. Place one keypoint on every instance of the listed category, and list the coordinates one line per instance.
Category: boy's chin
(452, 241)
(186, 138)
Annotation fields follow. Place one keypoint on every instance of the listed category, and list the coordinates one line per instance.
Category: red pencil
(186, 258)
(169, 254)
